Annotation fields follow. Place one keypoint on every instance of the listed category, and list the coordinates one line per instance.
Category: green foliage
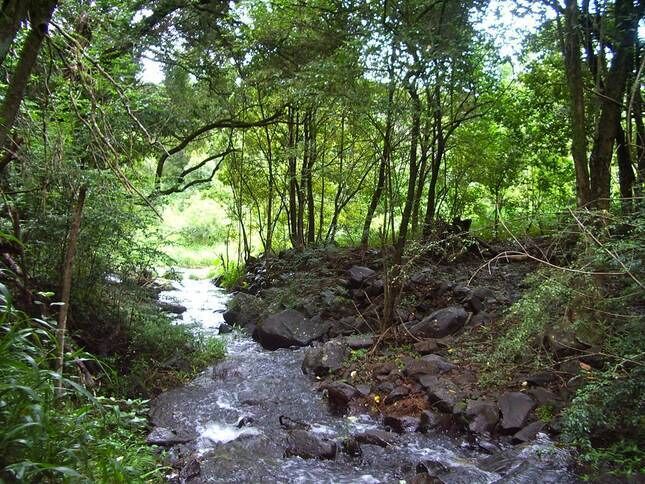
(76, 437)
(597, 299)
(231, 275)
(606, 421)
(357, 355)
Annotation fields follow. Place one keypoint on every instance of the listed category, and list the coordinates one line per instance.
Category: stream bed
(228, 428)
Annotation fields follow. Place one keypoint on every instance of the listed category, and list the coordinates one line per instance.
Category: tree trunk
(16, 91)
(12, 13)
(610, 109)
(626, 176)
(66, 280)
(573, 68)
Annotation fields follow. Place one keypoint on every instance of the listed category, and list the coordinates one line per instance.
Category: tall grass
(76, 437)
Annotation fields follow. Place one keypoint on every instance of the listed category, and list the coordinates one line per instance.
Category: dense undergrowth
(76, 437)
(593, 309)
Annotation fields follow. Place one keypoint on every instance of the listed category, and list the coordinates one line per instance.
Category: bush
(598, 299)
(76, 437)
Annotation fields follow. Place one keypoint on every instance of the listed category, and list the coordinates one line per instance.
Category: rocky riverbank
(420, 375)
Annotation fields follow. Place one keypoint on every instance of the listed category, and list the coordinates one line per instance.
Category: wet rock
(401, 424)
(515, 408)
(433, 469)
(425, 478)
(190, 470)
(165, 437)
(170, 307)
(325, 359)
(288, 423)
(360, 341)
(426, 346)
(440, 323)
(352, 447)
(307, 445)
(428, 420)
(443, 394)
(528, 433)
(289, 328)
(381, 438)
(397, 394)
(427, 365)
(339, 395)
(226, 370)
(482, 416)
(225, 328)
(487, 446)
(357, 275)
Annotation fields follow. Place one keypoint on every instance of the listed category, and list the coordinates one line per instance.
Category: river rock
(325, 359)
(339, 395)
(440, 323)
(482, 416)
(191, 469)
(307, 445)
(289, 328)
(528, 433)
(401, 424)
(381, 438)
(515, 408)
(165, 437)
(443, 393)
(224, 328)
(427, 365)
(357, 275)
(171, 307)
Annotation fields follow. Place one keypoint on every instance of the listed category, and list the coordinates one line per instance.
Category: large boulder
(289, 328)
(358, 275)
(482, 416)
(308, 445)
(515, 408)
(442, 393)
(325, 359)
(440, 323)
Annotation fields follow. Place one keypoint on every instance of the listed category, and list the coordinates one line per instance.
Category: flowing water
(254, 387)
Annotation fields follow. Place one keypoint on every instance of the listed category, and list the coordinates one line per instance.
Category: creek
(229, 416)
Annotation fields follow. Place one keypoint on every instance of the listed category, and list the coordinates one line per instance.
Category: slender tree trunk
(413, 174)
(296, 240)
(610, 108)
(437, 159)
(41, 16)
(311, 160)
(626, 176)
(573, 68)
(385, 160)
(66, 280)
